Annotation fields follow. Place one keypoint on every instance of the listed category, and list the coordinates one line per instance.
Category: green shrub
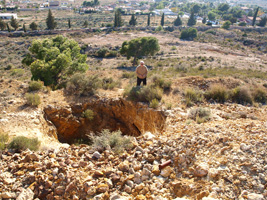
(226, 25)
(128, 75)
(265, 85)
(111, 54)
(114, 140)
(35, 85)
(101, 53)
(3, 140)
(21, 143)
(109, 83)
(218, 93)
(242, 24)
(88, 114)
(260, 95)
(80, 84)
(159, 28)
(9, 67)
(200, 114)
(33, 99)
(144, 94)
(154, 104)
(192, 96)
(17, 72)
(189, 34)
(158, 81)
(241, 95)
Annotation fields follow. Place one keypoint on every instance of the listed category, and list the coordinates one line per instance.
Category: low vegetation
(217, 93)
(3, 140)
(21, 143)
(199, 114)
(32, 99)
(144, 94)
(192, 96)
(83, 85)
(35, 85)
(88, 114)
(111, 140)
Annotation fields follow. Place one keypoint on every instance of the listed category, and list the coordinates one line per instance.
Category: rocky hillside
(224, 158)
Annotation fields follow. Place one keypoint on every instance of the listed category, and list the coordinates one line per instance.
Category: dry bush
(192, 96)
(33, 99)
(241, 95)
(35, 85)
(199, 114)
(88, 114)
(114, 140)
(3, 140)
(260, 95)
(159, 81)
(218, 93)
(144, 94)
(21, 143)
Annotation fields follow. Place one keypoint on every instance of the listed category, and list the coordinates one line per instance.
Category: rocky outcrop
(113, 114)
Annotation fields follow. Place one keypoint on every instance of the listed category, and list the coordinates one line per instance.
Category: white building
(8, 15)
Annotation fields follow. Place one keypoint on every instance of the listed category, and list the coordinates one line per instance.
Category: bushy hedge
(189, 34)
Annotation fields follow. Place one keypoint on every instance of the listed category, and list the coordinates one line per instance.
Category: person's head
(142, 63)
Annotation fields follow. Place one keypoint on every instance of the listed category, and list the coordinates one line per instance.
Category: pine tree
(148, 19)
(177, 21)
(162, 20)
(85, 24)
(8, 28)
(191, 20)
(2, 25)
(255, 16)
(33, 26)
(69, 24)
(50, 21)
(204, 20)
(117, 20)
(133, 21)
(14, 23)
(24, 28)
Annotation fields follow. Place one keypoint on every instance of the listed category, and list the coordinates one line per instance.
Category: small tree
(226, 25)
(191, 21)
(24, 28)
(50, 21)
(33, 26)
(139, 47)
(204, 20)
(69, 24)
(162, 20)
(53, 60)
(263, 21)
(189, 34)
(196, 8)
(133, 21)
(8, 28)
(118, 20)
(211, 16)
(2, 25)
(14, 23)
(148, 19)
(255, 16)
(177, 21)
(85, 24)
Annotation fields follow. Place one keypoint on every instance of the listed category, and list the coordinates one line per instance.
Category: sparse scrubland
(211, 89)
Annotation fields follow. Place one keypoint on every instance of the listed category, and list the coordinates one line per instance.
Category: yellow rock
(156, 170)
(19, 173)
(140, 197)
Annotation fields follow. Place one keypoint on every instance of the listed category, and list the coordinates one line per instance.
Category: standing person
(141, 72)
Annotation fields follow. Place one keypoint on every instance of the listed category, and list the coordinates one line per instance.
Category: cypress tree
(177, 21)
(14, 23)
(117, 20)
(85, 24)
(69, 24)
(24, 28)
(50, 21)
(191, 20)
(148, 19)
(133, 21)
(255, 16)
(162, 20)
(204, 20)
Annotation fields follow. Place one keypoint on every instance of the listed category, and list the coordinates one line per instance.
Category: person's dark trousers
(140, 80)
